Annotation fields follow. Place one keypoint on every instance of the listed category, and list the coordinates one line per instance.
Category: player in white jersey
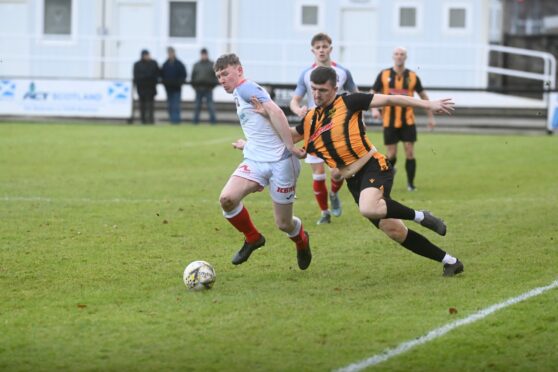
(321, 48)
(270, 159)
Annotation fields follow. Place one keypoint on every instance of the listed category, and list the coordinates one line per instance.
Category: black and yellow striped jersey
(390, 82)
(337, 133)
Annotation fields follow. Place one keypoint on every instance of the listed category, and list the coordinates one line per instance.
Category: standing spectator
(173, 76)
(203, 82)
(146, 74)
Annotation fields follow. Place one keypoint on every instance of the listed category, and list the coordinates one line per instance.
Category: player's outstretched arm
(281, 125)
(260, 109)
(440, 106)
(431, 120)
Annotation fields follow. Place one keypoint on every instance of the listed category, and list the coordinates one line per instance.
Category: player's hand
(258, 107)
(442, 106)
(239, 144)
(302, 112)
(298, 152)
(431, 123)
(376, 114)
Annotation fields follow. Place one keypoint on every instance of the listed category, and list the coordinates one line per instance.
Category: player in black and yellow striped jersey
(335, 132)
(399, 122)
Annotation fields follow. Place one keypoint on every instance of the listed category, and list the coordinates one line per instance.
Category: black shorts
(371, 175)
(407, 133)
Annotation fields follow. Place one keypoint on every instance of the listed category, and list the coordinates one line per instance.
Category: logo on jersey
(325, 128)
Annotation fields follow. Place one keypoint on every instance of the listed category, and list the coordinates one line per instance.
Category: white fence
(271, 61)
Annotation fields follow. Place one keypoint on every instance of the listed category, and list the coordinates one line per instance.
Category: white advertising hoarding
(69, 98)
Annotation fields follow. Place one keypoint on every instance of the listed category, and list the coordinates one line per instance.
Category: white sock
(449, 259)
(298, 225)
(419, 216)
(234, 212)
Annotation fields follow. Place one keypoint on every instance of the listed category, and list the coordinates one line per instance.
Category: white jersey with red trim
(262, 141)
(345, 83)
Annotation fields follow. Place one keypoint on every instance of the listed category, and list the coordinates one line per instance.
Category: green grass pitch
(97, 223)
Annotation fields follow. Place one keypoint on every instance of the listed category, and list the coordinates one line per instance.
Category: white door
(357, 47)
(15, 47)
(131, 31)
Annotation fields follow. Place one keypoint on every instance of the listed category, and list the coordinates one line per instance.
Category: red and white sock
(297, 235)
(320, 190)
(336, 185)
(240, 219)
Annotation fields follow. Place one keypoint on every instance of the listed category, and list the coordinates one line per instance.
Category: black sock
(393, 160)
(411, 168)
(422, 246)
(397, 210)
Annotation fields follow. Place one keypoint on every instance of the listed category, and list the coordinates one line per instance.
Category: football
(199, 275)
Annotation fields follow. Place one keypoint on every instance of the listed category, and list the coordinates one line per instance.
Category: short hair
(321, 37)
(171, 50)
(203, 51)
(225, 61)
(322, 74)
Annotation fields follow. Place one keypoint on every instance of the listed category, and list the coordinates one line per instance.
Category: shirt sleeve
(249, 89)
(418, 86)
(377, 87)
(300, 89)
(350, 85)
(358, 101)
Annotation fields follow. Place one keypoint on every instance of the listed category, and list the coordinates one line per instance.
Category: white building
(447, 39)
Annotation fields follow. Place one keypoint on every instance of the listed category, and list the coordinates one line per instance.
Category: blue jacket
(173, 75)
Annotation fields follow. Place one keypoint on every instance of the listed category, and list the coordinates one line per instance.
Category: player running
(270, 158)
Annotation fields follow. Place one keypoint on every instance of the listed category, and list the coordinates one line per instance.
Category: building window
(408, 17)
(58, 17)
(182, 19)
(457, 18)
(309, 15)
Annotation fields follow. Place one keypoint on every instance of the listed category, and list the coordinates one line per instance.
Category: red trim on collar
(241, 82)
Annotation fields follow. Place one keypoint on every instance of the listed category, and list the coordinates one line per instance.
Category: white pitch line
(438, 332)
(209, 142)
(97, 201)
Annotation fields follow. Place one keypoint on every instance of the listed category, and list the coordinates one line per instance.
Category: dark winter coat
(203, 76)
(173, 75)
(146, 76)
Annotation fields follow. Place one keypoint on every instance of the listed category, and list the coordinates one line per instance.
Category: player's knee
(395, 229)
(284, 225)
(227, 202)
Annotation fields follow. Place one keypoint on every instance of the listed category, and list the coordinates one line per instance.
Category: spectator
(146, 74)
(203, 82)
(173, 75)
